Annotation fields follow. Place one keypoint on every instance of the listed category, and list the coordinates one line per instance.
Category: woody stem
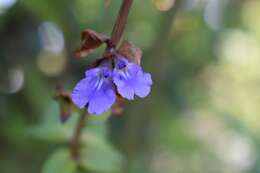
(75, 141)
(121, 21)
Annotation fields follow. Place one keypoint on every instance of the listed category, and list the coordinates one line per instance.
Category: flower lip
(130, 79)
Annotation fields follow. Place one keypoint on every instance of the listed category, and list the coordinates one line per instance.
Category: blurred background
(202, 115)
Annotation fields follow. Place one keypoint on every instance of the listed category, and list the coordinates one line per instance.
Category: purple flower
(130, 79)
(96, 90)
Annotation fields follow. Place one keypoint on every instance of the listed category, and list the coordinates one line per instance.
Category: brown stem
(75, 141)
(120, 22)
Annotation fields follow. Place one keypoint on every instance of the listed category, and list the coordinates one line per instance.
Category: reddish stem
(120, 22)
(75, 141)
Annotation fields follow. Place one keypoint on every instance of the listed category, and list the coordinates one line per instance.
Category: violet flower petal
(143, 85)
(82, 91)
(102, 99)
(96, 90)
(130, 79)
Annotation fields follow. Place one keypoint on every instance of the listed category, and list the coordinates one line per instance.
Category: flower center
(121, 64)
(103, 75)
(106, 74)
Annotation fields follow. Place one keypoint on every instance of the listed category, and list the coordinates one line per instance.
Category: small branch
(75, 141)
(120, 22)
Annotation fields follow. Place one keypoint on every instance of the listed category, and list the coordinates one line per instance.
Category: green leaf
(60, 162)
(51, 129)
(100, 156)
(107, 3)
(51, 133)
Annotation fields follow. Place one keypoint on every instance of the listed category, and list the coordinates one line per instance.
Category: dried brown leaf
(118, 107)
(65, 112)
(65, 103)
(131, 52)
(90, 41)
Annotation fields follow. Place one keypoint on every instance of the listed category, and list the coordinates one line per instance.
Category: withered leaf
(65, 104)
(65, 112)
(131, 52)
(118, 107)
(90, 41)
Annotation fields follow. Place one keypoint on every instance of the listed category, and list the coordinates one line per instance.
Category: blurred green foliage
(201, 117)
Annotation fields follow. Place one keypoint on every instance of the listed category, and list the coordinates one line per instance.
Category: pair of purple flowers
(98, 89)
